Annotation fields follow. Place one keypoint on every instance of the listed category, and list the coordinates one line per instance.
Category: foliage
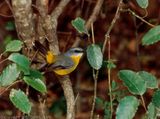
(14, 46)
(20, 69)
(133, 81)
(143, 3)
(20, 100)
(152, 36)
(127, 107)
(9, 75)
(79, 25)
(138, 83)
(94, 56)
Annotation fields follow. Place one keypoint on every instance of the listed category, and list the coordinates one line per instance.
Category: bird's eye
(78, 51)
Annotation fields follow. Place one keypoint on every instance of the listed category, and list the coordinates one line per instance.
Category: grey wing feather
(62, 62)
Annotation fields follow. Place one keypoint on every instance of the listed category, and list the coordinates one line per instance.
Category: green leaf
(9, 75)
(151, 113)
(36, 84)
(111, 64)
(152, 36)
(22, 62)
(20, 100)
(79, 25)
(114, 85)
(14, 46)
(36, 74)
(151, 80)
(7, 39)
(10, 26)
(94, 56)
(100, 103)
(156, 99)
(134, 82)
(107, 113)
(142, 3)
(127, 108)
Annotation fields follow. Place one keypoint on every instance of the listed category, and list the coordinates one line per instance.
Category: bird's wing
(62, 62)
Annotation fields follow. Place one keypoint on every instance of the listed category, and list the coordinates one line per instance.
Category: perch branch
(69, 95)
(64, 81)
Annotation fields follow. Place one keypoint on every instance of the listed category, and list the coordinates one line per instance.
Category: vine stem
(137, 16)
(143, 103)
(9, 87)
(95, 76)
(3, 60)
(112, 24)
(107, 39)
(109, 78)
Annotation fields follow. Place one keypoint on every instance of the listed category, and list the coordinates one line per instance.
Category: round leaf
(14, 46)
(21, 60)
(35, 83)
(152, 36)
(151, 81)
(94, 56)
(156, 99)
(9, 75)
(10, 26)
(151, 113)
(134, 82)
(127, 108)
(79, 25)
(20, 100)
(142, 3)
(35, 74)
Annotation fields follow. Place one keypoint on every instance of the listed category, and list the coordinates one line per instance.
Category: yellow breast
(76, 60)
(50, 57)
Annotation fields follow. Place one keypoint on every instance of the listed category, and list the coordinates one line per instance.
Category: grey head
(74, 52)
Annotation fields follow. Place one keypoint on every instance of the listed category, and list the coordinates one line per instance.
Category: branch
(69, 95)
(134, 14)
(59, 9)
(91, 19)
(42, 6)
(65, 81)
(107, 39)
(94, 14)
(24, 20)
(107, 35)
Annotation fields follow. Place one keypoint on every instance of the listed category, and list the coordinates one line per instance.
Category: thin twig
(42, 104)
(7, 16)
(58, 10)
(143, 103)
(95, 76)
(76, 98)
(3, 91)
(107, 39)
(141, 18)
(3, 60)
(94, 14)
(109, 79)
(112, 24)
(91, 19)
(93, 40)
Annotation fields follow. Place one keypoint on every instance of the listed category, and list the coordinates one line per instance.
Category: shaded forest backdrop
(126, 51)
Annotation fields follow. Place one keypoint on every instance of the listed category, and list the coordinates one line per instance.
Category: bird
(61, 64)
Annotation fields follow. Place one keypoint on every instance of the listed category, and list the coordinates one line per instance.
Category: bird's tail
(40, 47)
